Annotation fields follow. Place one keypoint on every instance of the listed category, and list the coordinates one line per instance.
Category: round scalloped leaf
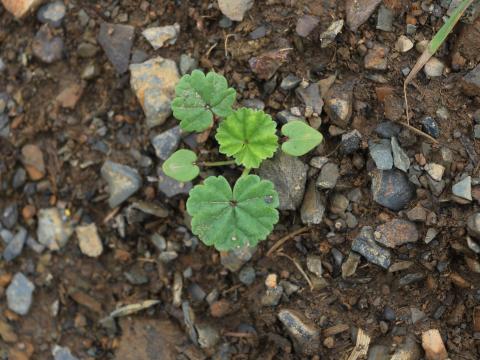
(181, 166)
(198, 97)
(301, 138)
(248, 136)
(230, 219)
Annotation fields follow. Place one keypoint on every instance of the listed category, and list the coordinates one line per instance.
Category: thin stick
(226, 44)
(419, 132)
(283, 240)
(217, 163)
(297, 265)
(210, 50)
(111, 214)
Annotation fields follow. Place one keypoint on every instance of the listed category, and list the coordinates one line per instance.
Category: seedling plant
(223, 217)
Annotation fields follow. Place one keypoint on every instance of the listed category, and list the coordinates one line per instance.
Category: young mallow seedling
(223, 217)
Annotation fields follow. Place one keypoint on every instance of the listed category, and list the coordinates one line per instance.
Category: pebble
(349, 267)
(91, 71)
(404, 44)
(433, 346)
(19, 294)
(434, 67)
(70, 95)
(4, 125)
(338, 204)
(161, 35)
(154, 83)
(123, 181)
(171, 187)
(400, 157)
(166, 143)
(435, 171)
(9, 215)
(2, 67)
(225, 22)
(473, 225)
(289, 175)
(313, 205)
(255, 104)
(258, 33)
(15, 246)
(247, 275)
(463, 188)
(476, 131)
(304, 333)
(389, 314)
(86, 50)
(418, 213)
(329, 35)
(409, 350)
(290, 82)
(328, 176)
(430, 235)
(411, 279)
(314, 265)
(338, 104)
(285, 116)
(235, 9)
(365, 245)
(116, 40)
(306, 24)
(20, 8)
(385, 19)
(310, 96)
(6, 235)
(392, 189)
(187, 64)
(471, 82)
(350, 142)
(376, 58)
(396, 233)
(47, 47)
(381, 153)
(89, 241)
(234, 259)
(393, 107)
(62, 353)
(416, 315)
(53, 229)
(32, 159)
(388, 129)
(208, 335)
(52, 13)
(272, 296)
(358, 12)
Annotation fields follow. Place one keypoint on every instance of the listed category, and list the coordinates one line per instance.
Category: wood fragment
(287, 237)
(361, 347)
(335, 329)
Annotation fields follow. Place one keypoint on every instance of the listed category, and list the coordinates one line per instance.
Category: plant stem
(246, 171)
(217, 163)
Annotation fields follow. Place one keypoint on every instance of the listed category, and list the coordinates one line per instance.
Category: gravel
(19, 294)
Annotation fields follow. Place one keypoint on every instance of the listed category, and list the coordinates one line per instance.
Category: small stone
(234, 259)
(225, 22)
(9, 215)
(393, 107)
(435, 171)
(430, 235)
(52, 13)
(329, 35)
(123, 181)
(313, 205)
(418, 213)
(91, 71)
(388, 129)
(255, 104)
(154, 83)
(350, 142)
(376, 58)
(289, 175)
(403, 44)
(161, 35)
(86, 50)
(171, 187)
(338, 104)
(338, 204)
(471, 82)
(358, 11)
(306, 24)
(310, 96)
(409, 350)
(258, 33)
(433, 345)
(400, 157)
(392, 189)
(53, 229)
(396, 233)
(247, 275)
(349, 267)
(15, 246)
(116, 40)
(463, 188)
(385, 19)
(62, 353)
(417, 315)
(473, 225)
(32, 159)
(271, 281)
(47, 47)
(351, 220)
(434, 67)
(314, 264)
(220, 308)
(20, 8)
(19, 294)
(166, 143)
(208, 335)
(365, 245)
(476, 131)
(70, 95)
(272, 296)
(381, 153)
(305, 335)
(89, 241)
(328, 176)
(235, 9)
(379, 352)
(290, 82)
(187, 64)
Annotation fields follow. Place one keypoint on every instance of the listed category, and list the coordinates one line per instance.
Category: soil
(86, 290)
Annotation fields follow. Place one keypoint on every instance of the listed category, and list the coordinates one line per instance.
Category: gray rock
(116, 40)
(358, 11)
(235, 9)
(463, 188)
(208, 335)
(338, 204)
(86, 50)
(285, 116)
(19, 178)
(435, 171)
(6, 235)
(313, 205)
(416, 315)
(385, 19)
(9, 215)
(290, 82)
(306, 24)
(154, 83)
(47, 47)
(160, 36)
(430, 126)
(473, 225)
(400, 157)
(89, 241)
(388, 129)
(35, 245)
(54, 229)
(351, 142)
(338, 104)
(430, 235)
(272, 296)
(328, 176)
(2, 65)
(349, 267)
(170, 187)
(52, 13)
(314, 265)
(225, 22)
(289, 175)
(408, 350)
(62, 353)
(4, 126)
(318, 161)
(159, 241)
(255, 104)
(436, 187)
(476, 131)
(471, 82)
(396, 232)
(434, 67)
(365, 245)
(381, 153)
(187, 64)
(167, 142)
(19, 294)
(311, 97)
(247, 275)
(391, 188)
(329, 35)
(15, 246)
(123, 181)
(411, 279)
(305, 335)
(234, 259)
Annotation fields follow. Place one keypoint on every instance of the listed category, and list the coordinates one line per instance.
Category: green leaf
(230, 219)
(198, 97)
(181, 165)
(301, 138)
(248, 136)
